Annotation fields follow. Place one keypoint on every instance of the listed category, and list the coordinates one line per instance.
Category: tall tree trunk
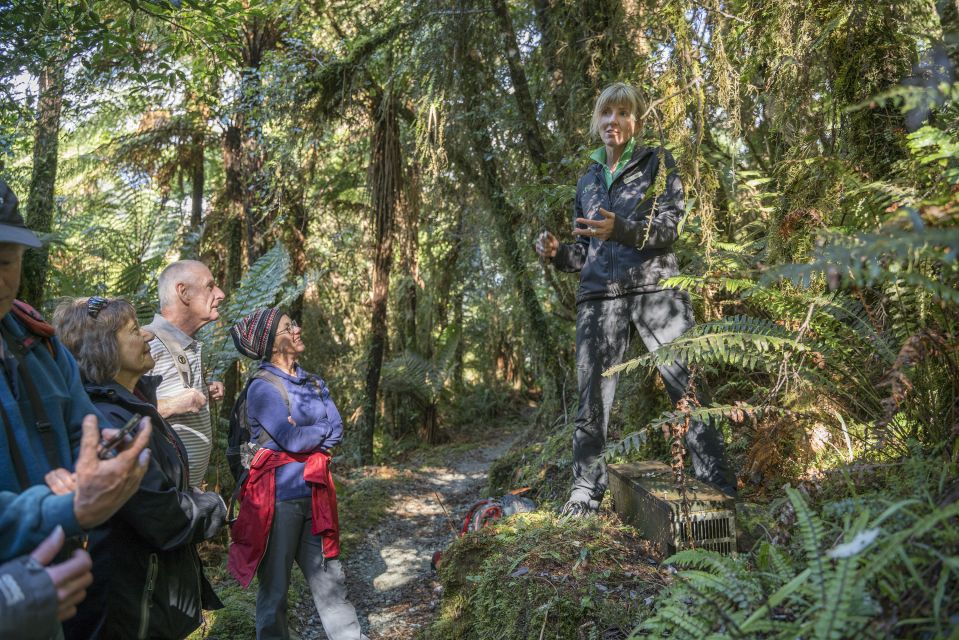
(233, 233)
(385, 180)
(198, 180)
(460, 354)
(197, 186)
(409, 268)
(299, 223)
(524, 100)
(40, 205)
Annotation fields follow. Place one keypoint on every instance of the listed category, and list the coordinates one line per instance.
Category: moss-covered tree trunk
(40, 202)
(385, 180)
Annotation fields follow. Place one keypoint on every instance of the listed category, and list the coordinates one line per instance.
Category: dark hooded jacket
(148, 579)
(639, 252)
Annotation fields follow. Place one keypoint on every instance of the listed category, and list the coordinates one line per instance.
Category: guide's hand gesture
(600, 229)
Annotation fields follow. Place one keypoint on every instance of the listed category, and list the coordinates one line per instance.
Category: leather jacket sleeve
(167, 518)
(661, 228)
(164, 516)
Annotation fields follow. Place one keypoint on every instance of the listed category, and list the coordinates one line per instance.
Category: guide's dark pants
(603, 331)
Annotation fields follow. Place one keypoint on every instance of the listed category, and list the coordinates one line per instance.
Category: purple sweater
(318, 423)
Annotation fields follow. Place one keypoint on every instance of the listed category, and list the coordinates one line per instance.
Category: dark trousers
(603, 331)
(291, 538)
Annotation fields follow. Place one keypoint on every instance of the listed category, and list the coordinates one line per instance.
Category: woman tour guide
(626, 215)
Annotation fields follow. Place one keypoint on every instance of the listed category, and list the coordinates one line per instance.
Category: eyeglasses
(289, 329)
(95, 305)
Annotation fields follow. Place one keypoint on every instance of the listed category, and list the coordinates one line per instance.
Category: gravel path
(389, 577)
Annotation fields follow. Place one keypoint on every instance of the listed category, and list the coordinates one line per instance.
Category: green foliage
(269, 282)
(738, 340)
(825, 595)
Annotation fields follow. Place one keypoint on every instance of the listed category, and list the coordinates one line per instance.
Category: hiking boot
(576, 509)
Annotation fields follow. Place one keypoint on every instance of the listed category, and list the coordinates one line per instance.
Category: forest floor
(388, 571)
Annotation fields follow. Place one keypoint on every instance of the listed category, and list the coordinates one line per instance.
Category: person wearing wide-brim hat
(288, 501)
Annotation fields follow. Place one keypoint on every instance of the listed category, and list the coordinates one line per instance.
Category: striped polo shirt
(194, 429)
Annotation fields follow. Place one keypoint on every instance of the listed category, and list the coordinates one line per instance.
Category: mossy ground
(540, 576)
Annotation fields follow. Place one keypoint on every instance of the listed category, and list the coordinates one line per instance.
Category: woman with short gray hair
(626, 217)
(148, 579)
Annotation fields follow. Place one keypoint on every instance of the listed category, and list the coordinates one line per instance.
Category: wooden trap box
(645, 496)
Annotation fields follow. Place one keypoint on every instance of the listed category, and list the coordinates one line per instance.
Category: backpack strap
(180, 360)
(34, 323)
(277, 382)
(264, 437)
(19, 349)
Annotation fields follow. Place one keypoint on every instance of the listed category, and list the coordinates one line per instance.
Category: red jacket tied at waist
(251, 530)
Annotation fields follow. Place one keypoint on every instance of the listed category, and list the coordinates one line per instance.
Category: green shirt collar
(599, 156)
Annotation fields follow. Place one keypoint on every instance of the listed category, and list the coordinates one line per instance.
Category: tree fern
(268, 282)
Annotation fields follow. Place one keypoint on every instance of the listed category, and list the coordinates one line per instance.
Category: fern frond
(811, 532)
(265, 282)
(739, 340)
(412, 374)
(631, 442)
(735, 413)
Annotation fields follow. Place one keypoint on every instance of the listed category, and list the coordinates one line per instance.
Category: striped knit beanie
(253, 335)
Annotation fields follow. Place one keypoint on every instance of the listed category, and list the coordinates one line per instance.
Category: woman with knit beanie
(288, 501)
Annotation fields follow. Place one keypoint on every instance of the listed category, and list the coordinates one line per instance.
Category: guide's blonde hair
(615, 95)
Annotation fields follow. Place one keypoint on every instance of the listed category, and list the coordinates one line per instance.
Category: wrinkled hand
(70, 578)
(216, 391)
(601, 229)
(189, 401)
(546, 245)
(61, 481)
(103, 486)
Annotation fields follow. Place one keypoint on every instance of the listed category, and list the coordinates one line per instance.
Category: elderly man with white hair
(189, 299)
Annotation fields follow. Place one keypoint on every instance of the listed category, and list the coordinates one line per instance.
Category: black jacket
(148, 579)
(639, 253)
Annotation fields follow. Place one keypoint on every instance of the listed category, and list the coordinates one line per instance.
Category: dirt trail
(389, 577)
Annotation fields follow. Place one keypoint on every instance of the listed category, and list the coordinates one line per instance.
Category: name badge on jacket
(636, 176)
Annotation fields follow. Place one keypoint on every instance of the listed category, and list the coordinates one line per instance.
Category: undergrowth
(537, 576)
(878, 563)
